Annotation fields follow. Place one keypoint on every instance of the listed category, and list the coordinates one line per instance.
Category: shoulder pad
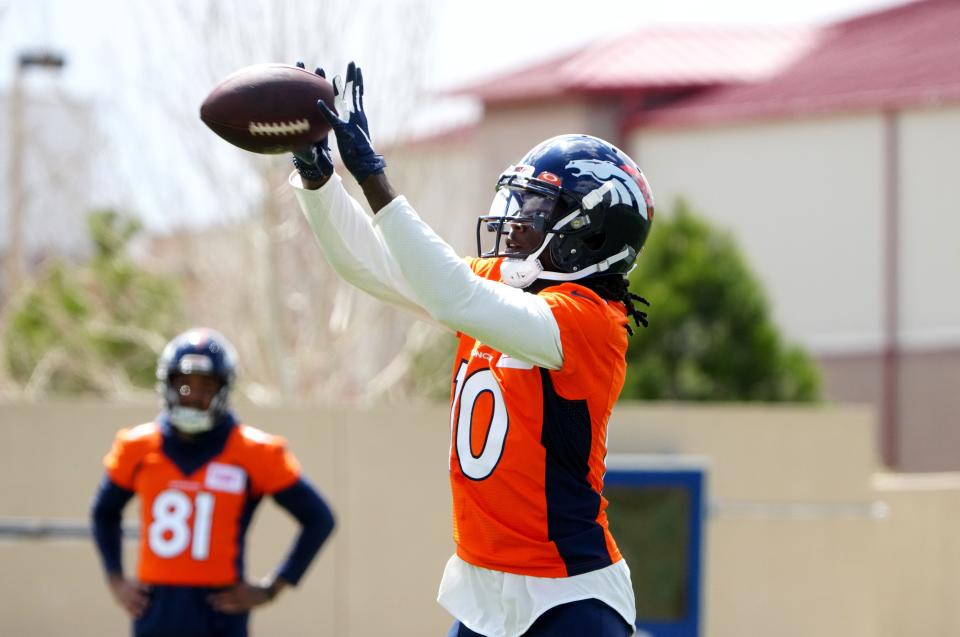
(139, 432)
(258, 437)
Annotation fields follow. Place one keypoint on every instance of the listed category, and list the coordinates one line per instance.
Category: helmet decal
(549, 177)
(520, 170)
(626, 189)
(644, 188)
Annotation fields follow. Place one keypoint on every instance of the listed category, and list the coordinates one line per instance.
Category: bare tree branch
(254, 270)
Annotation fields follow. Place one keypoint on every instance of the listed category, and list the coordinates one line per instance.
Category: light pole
(38, 58)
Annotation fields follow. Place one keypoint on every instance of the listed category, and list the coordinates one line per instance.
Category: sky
(475, 43)
(473, 40)
(462, 42)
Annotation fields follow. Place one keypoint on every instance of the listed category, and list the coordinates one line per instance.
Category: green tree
(92, 328)
(711, 336)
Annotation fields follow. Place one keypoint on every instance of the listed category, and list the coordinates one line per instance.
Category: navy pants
(575, 619)
(183, 611)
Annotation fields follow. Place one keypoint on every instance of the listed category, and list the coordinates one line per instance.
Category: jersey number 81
(170, 533)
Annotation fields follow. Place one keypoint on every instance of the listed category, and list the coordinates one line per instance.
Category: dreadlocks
(615, 287)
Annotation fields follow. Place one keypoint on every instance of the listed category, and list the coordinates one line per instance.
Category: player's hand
(244, 596)
(314, 163)
(350, 126)
(133, 596)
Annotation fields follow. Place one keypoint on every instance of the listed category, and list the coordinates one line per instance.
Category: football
(268, 108)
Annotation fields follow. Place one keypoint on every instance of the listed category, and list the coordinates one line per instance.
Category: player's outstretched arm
(351, 244)
(510, 320)
(343, 230)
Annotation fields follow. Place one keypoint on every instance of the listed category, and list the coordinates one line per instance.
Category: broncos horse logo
(626, 189)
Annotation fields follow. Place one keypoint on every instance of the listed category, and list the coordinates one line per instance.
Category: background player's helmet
(196, 351)
(602, 212)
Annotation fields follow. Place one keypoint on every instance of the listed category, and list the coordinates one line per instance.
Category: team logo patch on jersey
(225, 477)
(487, 356)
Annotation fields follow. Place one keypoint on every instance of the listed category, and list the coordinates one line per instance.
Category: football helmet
(587, 199)
(196, 351)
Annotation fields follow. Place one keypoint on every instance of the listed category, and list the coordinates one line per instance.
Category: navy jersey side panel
(572, 504)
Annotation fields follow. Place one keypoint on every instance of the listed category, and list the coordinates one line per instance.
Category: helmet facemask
(196, 353)
(190, 419)
(518, 227)
(567, 224)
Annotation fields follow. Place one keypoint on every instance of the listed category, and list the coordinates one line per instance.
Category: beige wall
(385, 480)
(508, 131)
(930, 227)
(804, 200)
(917, 595)
(794, 545)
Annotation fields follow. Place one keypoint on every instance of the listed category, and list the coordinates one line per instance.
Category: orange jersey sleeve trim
(272, 465)
(129, 448)
(488, 268)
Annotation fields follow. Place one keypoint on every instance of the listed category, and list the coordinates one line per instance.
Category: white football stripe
(280, 128)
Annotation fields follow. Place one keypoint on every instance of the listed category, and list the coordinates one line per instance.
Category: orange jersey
(192, 526)
(528, 445)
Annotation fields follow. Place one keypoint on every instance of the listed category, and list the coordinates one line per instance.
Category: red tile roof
(905, 56)
(653, 58)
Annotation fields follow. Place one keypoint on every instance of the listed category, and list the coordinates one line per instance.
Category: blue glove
(350, 127)
(314, 162)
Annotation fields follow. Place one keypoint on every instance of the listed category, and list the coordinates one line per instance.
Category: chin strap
(600, 266)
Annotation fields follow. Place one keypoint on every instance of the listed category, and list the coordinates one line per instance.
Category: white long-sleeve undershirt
(398, 258)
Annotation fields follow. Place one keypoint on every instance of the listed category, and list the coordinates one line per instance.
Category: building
(47, 167)
(829, 152)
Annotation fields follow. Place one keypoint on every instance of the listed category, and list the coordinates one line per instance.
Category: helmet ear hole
(595, 242)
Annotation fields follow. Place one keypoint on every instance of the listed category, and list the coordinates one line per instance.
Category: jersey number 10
(466, 392)
(169, 532)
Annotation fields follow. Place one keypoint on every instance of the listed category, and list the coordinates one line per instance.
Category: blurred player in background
(199, 474)
(542, 322)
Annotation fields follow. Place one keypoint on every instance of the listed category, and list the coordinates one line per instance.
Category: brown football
(268, 108)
